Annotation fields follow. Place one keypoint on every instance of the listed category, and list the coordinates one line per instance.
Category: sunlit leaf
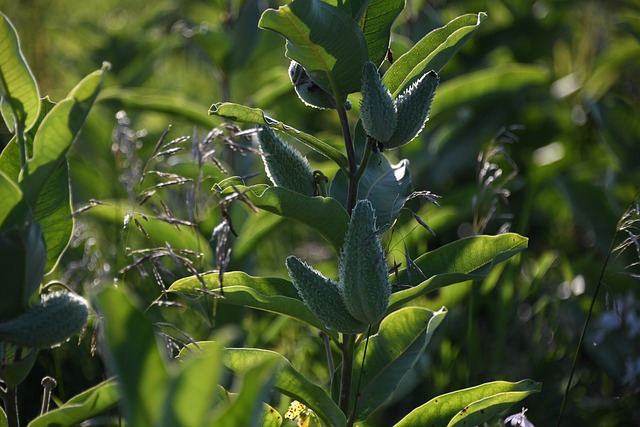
(20, 97)
(470, 406)
(456, 262)
(375, 21)
(432, 52)
(133, 356)
(391, 354)
(12, 209)
(324, 40)
(240, 113)
(86, 405)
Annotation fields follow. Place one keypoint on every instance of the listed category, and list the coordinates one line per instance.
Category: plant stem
(10, 399)
(352, 196)
(348, 346)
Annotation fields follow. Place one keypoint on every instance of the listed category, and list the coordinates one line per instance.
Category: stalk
(348, 346)
(352, 196)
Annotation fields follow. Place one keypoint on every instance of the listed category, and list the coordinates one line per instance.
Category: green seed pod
(364, 280)
(322, 297)
(413, 106)
(309, 92)
(56, 318)
(285, 166)
(377, 109)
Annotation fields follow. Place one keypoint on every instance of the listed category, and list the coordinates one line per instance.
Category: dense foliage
(172, 223)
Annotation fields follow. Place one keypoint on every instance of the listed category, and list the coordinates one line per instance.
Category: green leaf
(14, 373)
(133, 356)
(86, 405)
(263, 293)
(470, 406)
(240, 113)
(375, 21)
(4, 422)
(324, 40)
(459, 261)
(56, 133)
(322, 214)
(169, 104)
(13, 211)
(193, 393)
(20, 97)
(391, 354)
(385, 185)
(432, 52)
(289, 382)
(247, 407)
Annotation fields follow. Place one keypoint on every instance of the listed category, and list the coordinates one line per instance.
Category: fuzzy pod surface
(285, 166)
(377, 109)
(56, 318)
(364, 281)
(322, 297)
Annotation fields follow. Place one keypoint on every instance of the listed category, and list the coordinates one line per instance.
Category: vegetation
(319, 212)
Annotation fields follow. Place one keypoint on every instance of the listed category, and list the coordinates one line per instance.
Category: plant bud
(413, 106)
(285, 166)
(377, 110)
(322, 297)
(56, 318)
(364, 281)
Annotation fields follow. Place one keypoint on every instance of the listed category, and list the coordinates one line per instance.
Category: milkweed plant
(373, 335)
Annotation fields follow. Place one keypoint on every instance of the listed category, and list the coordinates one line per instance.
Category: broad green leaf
(86, 405)
(432, 52)
(13, 211)
(246, 409)
(287, 381)
(160, 232)
(20, 98)
(323, 214)
(456, 262)
(385, 185)
(53, 212)
(14, 373)
(240, 113)
(170, 104)
(22, 261)
(56, 133)
(132, 354)
(4, 422)
(193, 393)
(470, 406)
(263, 293)
(391, 354)
(323, 39)
(375, 21)
(476, 86)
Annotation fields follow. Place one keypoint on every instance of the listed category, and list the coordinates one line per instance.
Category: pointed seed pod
(322, 297)
(377, 109)
(364, 280)
(413, 106)
(285, 166)
(56, 318)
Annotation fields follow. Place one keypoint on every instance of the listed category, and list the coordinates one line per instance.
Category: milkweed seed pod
(309, 92)
(54, 320)
(377, 110)
(285, 166)
(364, 281)
(395, 122)
(322, 297)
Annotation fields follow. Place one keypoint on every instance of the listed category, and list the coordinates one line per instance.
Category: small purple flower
(519, 419)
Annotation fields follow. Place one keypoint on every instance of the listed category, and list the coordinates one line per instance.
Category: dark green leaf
(86, 405)
(240, 113)
(14, 373)
(375, 22)
(324, 40)
(322, 214)
(432, 52)
(391, 353)
(133, 356)
(456, 262)
(264, 293)
(470, 406)
(20, 97)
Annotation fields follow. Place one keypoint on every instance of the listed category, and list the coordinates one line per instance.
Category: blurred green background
(547, 90)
